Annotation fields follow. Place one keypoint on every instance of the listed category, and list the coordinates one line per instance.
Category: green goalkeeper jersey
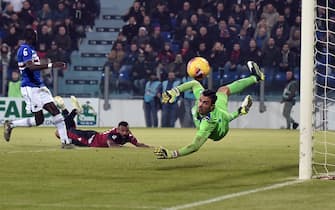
(215, 124)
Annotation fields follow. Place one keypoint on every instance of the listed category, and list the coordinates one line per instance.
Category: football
(198, 68)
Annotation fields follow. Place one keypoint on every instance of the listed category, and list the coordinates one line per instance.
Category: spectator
(63, 41)
(203, 51)
(203, 18)
(253, 53)
(61, 13)
(27, 15)
(204, 37)
(281, 23)
(135, 12)
(56, 54)
(12, 37)
(140, 74)
(180, 31)
(119, 55)
(224, 34)
(218, 56)
(45, 13)
(156, 39)
(271, 59)
(190, 36)
(45, 37)
(288, 98)
(287, 59)
(238, 14)
(130, 30)
(14, 85)
(164, 58)
(142, 38)
(279, 38)
(233, 28)
(194, 22)
(147, 24)
(186, 52)
(250, 31)
(152, 101)
(220, 13)
(235, 60)
(294, 41)
(185, 13)
(169, 110)
(261, 37)
(161, 16)
(296, 25)
(270, 15)
(187, 102)
(178, 66)
(126, 69)
(243, 40)
(251, 14)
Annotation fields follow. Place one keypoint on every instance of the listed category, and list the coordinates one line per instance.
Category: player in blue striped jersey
(36, 95)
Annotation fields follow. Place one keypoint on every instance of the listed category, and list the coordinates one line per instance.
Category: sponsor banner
(15, 108)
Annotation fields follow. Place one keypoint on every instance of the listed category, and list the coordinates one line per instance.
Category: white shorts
(36, 97)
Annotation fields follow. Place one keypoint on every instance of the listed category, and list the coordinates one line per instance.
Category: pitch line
(38, 151)
(233, 195)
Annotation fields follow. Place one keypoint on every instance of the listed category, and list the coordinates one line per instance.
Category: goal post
(306, 88)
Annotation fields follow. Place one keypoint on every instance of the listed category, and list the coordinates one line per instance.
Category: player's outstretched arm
(171, 95)
(163, 153)
(38, 67)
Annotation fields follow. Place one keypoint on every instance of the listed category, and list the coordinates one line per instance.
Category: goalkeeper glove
(170, 95)
(245, 106)
(162, 153)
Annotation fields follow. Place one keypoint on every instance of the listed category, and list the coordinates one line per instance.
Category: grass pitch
(36, 174)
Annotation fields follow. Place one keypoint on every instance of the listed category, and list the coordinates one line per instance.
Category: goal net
(323, 153)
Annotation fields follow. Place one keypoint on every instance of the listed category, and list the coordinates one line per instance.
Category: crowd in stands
(161, 36)
(60, 25)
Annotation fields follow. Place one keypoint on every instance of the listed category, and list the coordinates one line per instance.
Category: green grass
(36, 174)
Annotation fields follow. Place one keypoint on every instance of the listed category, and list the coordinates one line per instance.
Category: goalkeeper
(210, 113)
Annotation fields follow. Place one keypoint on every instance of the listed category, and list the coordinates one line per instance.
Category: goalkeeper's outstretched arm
(163, 153)
(205, 129)
(171, 95)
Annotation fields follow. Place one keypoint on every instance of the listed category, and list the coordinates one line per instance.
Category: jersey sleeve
(205, 129)
(132, 139)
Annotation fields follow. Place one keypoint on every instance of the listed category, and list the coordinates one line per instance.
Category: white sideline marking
(38, 151)
(233, 195)
(90, 206)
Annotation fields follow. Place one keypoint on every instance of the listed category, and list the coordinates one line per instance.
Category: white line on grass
(233, 195)
(38, 151)
(80, 206)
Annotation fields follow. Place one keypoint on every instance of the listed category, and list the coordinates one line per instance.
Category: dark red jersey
(95, 139)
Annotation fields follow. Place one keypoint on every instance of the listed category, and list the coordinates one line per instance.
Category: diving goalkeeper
(210, 113)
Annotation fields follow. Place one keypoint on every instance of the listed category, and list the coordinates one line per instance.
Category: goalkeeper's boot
(7, 129)
(255, 70)
(59, 102)
(76, 105)
(245, 106)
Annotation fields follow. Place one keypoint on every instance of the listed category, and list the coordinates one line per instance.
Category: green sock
(241, 84)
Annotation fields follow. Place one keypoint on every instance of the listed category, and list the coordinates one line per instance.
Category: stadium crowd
(60, 25)
(162, 36)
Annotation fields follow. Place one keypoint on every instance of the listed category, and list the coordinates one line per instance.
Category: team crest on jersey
(114, 137)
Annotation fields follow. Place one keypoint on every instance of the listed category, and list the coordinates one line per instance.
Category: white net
(324, 101)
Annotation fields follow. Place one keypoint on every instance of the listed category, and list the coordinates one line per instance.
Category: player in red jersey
(114, 137)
